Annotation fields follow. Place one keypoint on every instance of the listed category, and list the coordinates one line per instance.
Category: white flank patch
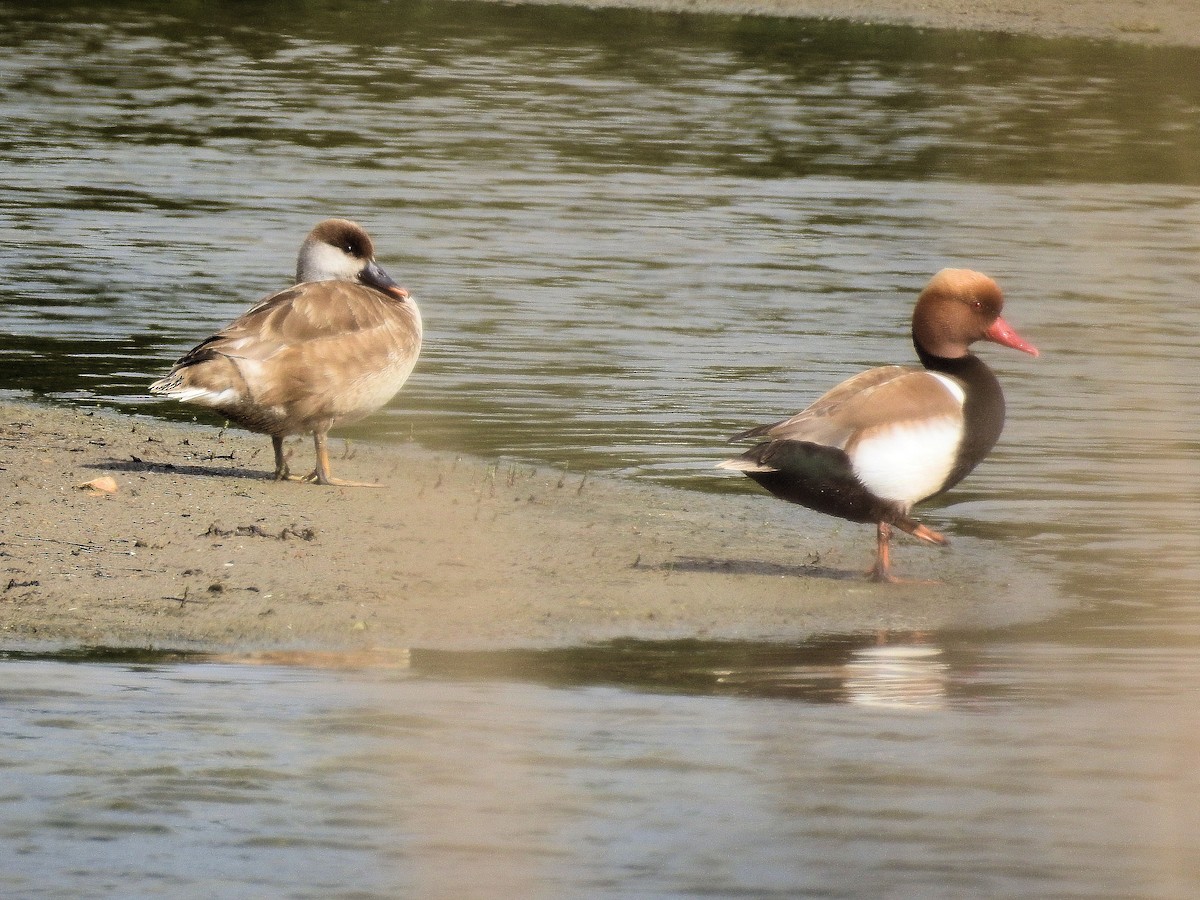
(744, 465)
(908, 462)
(203, 396)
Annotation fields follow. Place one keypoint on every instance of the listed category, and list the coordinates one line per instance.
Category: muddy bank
(1161, 22)
(198, 548)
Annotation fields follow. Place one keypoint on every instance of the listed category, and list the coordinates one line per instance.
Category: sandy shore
(1155, 22)
(198, 548)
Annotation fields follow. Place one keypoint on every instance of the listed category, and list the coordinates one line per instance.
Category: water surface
(838, 768)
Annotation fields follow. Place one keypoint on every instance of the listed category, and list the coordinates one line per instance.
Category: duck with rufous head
(890, 437)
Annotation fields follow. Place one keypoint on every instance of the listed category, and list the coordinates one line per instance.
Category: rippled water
(632, 235)
(837, 769)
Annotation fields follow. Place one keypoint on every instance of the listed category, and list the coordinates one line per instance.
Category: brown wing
(304, 315)
(887, 395)
(306, 352)
(307, 312)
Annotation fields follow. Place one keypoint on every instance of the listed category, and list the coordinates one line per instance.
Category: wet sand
(1152, 22)
(197, 548)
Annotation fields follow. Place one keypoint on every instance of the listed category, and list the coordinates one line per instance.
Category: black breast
(983, 409)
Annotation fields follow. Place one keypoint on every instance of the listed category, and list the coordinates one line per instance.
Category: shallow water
(632, 235)
(834, 769)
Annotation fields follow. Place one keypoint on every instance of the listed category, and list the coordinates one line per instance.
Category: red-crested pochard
(330, 350)
(890, 437)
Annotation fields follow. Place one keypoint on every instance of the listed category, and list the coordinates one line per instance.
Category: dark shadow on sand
(141, 465)
(750, 567)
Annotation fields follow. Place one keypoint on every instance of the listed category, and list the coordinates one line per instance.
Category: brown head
(338, 249)
(957, 308)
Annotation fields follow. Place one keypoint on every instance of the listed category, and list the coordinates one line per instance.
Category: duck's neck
(983, 408)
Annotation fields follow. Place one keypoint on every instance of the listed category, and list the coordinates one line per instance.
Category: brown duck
(330, 350)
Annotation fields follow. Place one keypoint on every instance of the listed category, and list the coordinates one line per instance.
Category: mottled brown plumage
(330, 350)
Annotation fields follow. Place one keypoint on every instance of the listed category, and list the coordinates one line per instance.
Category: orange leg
(321, 474)
(882, 570)
(282, 473)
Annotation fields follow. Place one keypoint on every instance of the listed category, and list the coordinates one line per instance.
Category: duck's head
(338, 249)
(959, 307)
